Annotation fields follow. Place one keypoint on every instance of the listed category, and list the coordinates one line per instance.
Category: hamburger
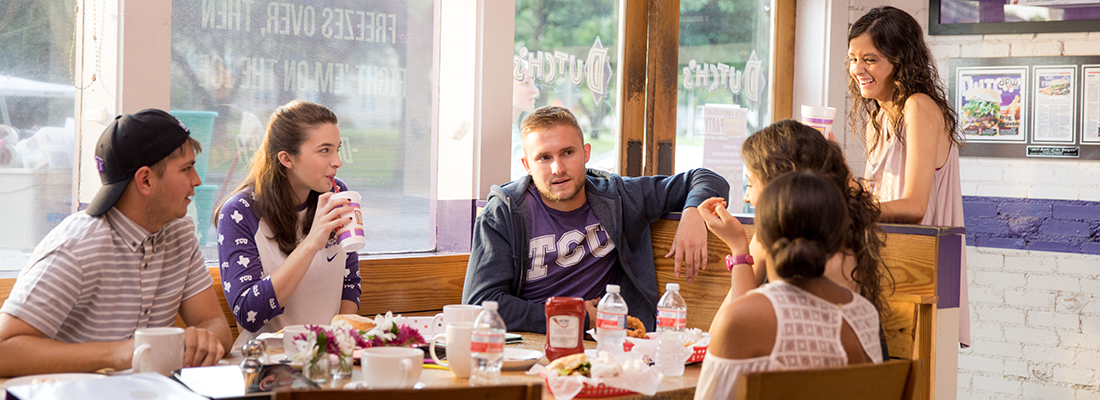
(1057, 87)
(573, 364)
(982, 109)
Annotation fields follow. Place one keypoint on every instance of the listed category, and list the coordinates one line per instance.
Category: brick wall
(1066, 226)
(1034, 276)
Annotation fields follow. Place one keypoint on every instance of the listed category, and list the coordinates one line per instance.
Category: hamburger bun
(983, 94)
(566, 365)
(355, 321)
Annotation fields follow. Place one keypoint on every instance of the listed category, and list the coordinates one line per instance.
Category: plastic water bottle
(611, 322)
(487, 345)
(671, 324)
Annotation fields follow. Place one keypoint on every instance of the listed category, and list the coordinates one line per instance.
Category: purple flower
(408, 336)
(359, 340)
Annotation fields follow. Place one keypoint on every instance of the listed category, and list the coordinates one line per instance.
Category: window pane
(567, 55)
(36, 125)
(233, 63)
(725, 59)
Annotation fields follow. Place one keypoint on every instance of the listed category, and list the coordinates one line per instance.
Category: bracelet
(732, 260)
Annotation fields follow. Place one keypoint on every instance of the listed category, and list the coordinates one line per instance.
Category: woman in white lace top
(801, 319)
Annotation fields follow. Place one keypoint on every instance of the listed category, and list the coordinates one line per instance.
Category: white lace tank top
(807, 336)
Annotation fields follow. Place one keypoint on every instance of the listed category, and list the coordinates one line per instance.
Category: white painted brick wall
(1050, 179)
(1035, 326)
(1035, 320)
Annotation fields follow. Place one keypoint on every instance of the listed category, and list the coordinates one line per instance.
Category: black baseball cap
(130, 142)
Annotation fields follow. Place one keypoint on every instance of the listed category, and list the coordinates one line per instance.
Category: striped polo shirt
(97, 279)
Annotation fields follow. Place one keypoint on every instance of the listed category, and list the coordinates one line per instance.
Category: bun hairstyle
(789, 145)
(802, 220)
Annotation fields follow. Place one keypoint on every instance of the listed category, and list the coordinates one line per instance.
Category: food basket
(590, 391)
(697, 354)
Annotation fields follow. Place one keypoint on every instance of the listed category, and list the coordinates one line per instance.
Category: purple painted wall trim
(1064, 226)
(947, 272)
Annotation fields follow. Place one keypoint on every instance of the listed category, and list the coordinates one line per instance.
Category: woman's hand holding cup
(325, 220)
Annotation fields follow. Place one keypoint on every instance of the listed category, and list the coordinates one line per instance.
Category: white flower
(307, 349)
(384, 327)
(344, 341)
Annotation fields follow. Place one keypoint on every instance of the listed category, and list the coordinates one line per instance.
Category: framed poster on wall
(1090, 109)
(978, 17)
(1055, 97)
(990, 103)
(1027, 107)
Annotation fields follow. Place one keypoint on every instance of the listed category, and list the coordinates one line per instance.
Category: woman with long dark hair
(909, 128)
(789, 145)
(280, 264)
(801, 318)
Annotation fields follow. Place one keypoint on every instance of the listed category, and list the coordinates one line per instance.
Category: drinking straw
(334, 187)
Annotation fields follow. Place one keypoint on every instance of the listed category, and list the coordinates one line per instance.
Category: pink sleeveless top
(886, 174)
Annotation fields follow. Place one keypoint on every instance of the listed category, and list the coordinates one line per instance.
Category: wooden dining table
(680, 387)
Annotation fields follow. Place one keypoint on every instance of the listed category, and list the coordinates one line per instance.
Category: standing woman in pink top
(910, 130)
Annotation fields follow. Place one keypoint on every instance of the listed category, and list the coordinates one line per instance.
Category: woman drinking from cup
(281, 263)
(910, 130)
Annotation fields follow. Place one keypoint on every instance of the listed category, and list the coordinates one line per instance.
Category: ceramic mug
(457, 339)
(289, 332)
(158, 350)
(391, 367)
(454, 313)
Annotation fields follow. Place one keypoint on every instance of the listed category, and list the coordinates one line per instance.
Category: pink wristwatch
(731, 260)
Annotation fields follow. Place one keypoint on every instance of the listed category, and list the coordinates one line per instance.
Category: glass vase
(341, 365)
(317, 370)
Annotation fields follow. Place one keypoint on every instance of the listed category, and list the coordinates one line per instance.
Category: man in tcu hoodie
(564, 230)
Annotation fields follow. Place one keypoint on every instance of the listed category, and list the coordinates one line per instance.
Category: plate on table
(47, 378)
(520, 358)
(283, 359)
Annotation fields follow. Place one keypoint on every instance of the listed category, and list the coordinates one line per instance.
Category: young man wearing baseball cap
(130, 261)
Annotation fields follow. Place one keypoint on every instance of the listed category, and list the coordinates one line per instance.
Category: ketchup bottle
(564, 326)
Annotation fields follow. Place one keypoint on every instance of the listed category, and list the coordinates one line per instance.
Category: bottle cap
(672, 287)
(613, 288)
(489, 305)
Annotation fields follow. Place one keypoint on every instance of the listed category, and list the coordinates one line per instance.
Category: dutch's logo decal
(99, 164)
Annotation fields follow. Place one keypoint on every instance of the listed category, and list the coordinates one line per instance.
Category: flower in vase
(387, 332)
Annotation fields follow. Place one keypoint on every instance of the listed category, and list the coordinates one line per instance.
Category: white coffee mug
(289, 332)
(350, 234)
(454, 313)
(457, 339)
(391, 367)
(158, 350)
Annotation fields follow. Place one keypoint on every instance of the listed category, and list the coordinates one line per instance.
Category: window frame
(134, 68)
